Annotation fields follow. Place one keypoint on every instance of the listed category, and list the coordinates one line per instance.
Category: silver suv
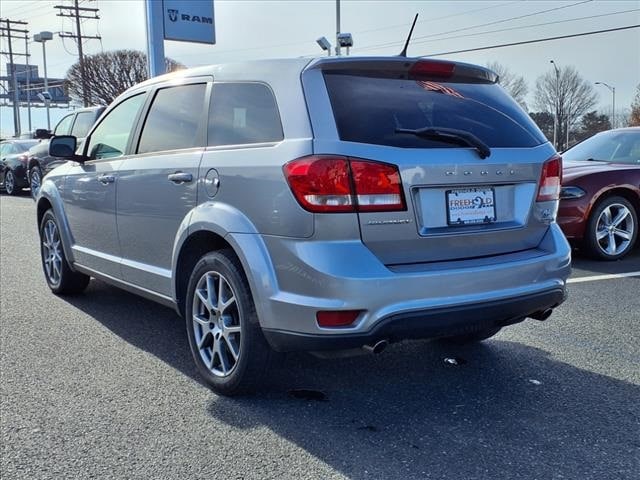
(326, 204)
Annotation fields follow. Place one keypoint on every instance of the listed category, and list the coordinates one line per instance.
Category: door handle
(180, 177)
(106, 179)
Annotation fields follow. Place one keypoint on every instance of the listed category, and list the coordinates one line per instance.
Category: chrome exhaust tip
(542, 315)
(377, 347)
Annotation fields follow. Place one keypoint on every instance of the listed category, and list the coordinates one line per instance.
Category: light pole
(42, 37)
(613, 107)
(556, 120)
(337, 28)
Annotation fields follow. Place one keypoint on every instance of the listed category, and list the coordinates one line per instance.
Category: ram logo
(173, 14)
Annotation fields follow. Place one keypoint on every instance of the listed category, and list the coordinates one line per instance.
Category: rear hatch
(465, 196)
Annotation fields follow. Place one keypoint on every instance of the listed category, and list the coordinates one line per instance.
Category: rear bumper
(292, 279)
(434, 323)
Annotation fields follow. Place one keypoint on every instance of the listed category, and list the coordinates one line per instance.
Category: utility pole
(7, 30)
(77, 12)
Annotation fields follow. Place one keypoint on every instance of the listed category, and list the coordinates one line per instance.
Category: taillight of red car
(336, 184)
(550, 180)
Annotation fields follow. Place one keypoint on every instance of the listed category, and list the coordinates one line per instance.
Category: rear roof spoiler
(406, 68)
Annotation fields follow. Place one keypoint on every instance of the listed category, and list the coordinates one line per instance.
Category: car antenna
(403, 53)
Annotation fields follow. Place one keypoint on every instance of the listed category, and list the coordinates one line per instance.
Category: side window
(7, 149)
(242, 113)
(83, 123)
(173, 121)
(110, 138)
(64, 125)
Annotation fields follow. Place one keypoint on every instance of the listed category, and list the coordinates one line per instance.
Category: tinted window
(110, 137)
(370, 109)
(63, 125)
(174, 119)
(243, 113)
(7, 149)
(612, 146)
(83, 123)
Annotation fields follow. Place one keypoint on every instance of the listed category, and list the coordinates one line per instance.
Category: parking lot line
(595, 278)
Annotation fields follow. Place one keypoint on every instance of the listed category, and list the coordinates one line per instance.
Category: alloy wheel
(9, 182)
(34, 182)
(216, 324)
(615, 229)
(52, 252)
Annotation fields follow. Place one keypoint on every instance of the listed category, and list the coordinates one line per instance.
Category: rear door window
(83, 123)
(174, 119)
(243, 113)
(368, 109)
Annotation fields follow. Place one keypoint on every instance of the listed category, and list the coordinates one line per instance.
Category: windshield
(615, 146)
(371, 110)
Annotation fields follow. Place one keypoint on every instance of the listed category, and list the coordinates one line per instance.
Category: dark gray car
(326, 204)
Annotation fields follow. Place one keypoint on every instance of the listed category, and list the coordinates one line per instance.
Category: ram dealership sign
(189, 21)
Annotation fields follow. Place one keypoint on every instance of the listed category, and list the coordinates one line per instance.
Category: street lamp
(556, 120)
(42, 37)
(613, 107)
(324, 45)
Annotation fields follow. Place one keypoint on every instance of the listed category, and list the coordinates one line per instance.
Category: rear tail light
(378, 186)
(338, 318)
(333, 184)
(550, 180)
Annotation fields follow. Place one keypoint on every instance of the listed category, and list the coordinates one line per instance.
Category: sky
(248, 30)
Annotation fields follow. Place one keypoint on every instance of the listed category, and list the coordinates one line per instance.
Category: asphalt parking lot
(102, 385)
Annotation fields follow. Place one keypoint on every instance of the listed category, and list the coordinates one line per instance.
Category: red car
(600, 196)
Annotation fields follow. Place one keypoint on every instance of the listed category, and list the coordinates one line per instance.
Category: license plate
(468, 206)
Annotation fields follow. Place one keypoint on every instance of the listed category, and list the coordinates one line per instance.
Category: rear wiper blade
(451, 135)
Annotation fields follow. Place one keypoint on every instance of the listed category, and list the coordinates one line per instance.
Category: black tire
(61, 279)
(254, 355)
(35, 177)
(473, 337)
(597, 225)
(10, 183)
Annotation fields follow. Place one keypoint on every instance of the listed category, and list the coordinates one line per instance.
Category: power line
(429, 20)
(530, 26)
(519, 17)
(538, 40)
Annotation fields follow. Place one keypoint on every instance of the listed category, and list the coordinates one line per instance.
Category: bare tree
(516, 85)
(109, 74)
(566, 95)
(634, 117)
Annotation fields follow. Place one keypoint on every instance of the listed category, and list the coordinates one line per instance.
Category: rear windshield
(370, 109)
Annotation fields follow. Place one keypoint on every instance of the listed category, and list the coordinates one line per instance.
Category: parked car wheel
(474, 337)
(60, 278)
(225, 337)
(10, 183)
(35, 180)
(612, 229)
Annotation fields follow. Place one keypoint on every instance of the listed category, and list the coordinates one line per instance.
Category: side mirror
(63, 146)
(43, 133)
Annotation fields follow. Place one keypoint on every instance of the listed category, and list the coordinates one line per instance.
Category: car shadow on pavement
(145, 324)
(501, 410)
(629, 263)
(498, 410)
